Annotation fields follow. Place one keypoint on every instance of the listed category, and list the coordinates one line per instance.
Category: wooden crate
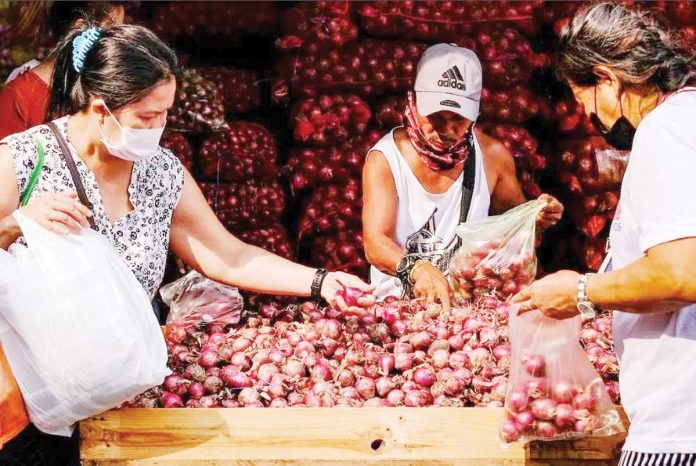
(217, 437)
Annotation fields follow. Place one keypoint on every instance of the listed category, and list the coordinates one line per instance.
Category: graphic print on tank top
(426, 244)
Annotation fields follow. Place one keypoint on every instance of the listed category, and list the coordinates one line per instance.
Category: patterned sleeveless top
(140, 237)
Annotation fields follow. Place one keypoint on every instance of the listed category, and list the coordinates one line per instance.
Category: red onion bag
(497, 255)
(554, 392)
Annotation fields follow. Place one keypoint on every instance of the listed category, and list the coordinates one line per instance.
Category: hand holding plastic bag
(497, 255)
(554, 392)
(195, 300)
(76, 326)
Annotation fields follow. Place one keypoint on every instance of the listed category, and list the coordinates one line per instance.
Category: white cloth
(426, 223)
(20, 70)
(657, 351)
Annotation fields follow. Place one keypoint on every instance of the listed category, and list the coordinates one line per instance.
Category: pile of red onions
(442, 21)
(400, 354)
(311, 167)
(319, 25)
(245, 151)
(226, 21)
(549, 409)
(180, 146)
(239, 88)
(597, 337)
(247, 204)
(328, 119)
(481, 271)
(366, 68)
(198, 107)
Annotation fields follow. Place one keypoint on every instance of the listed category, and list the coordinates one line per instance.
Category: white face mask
(135, 144)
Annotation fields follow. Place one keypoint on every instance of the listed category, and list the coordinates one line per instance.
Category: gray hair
(642, 52)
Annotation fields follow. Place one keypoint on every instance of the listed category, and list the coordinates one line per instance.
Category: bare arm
(198, 238)
(380, 204)
(665, 274)
(506, 191)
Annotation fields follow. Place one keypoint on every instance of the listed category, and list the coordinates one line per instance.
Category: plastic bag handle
(34, 178)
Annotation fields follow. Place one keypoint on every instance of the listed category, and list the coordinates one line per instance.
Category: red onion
(248, 395)
(374, 403)
(242, 361)
(229, 403)
(418, 398)
(458, 360)
(346, 378)
(241, 344)
(279, 403)
(440, 359)
(403, 361)
(544, 408)
(384, 385)
(210, 401)
(525, 420)
(454, 386)
(510, 431)
(584, 401)
(321, 373)
(502, 351)
(456, 342)
(208, 359)
(587, 425)
(546, 429)
(517, 400)
(365, 387)
(396, 398)
(213, 385)
(238, 380)
(171, 400)
(386, 363)
(424, 376)
(564, 415)
(535, 365)
(444, 374)
(563, 391)
(465, 374)
(421, 340)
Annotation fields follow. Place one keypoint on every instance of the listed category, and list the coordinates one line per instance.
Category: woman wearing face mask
(115, 86)
(637, 85)
(420, 181)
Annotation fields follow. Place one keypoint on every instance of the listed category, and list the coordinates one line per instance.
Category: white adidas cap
(449, 78)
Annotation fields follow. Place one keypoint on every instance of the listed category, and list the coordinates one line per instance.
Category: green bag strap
(34, 178)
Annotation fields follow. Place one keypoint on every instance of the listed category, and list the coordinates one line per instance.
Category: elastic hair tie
(83, 44)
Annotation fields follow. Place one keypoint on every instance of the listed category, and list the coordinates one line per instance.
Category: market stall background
(280, 102)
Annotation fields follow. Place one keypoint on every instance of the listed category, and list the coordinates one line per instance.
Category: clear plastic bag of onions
(554, 392)
(196, 301)
(497, 254)
(611, 166)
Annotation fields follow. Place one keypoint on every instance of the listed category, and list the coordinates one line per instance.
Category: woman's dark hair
(633, 43)
(65, 15)
(122, 66)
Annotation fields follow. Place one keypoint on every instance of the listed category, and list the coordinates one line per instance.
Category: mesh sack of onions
(554, 392)
(328, 119)
(239, 89)
(180, 146)
(367, 68)
(514, 105)
(443, 21)
(247, 204)
(319, 25)
(311, 167)
(244, 151)
(198, 107)
(228, 21)
(497, 254)
(195, 300)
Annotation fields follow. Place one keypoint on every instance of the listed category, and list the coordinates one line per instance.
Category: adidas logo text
(453, 79)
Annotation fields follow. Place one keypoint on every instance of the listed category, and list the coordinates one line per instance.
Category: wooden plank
(188, 437)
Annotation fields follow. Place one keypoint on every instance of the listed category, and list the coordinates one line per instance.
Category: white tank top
(426, 222)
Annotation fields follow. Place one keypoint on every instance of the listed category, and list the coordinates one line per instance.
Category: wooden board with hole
(217, 437)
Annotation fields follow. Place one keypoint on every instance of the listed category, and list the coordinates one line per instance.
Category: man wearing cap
(421, 180)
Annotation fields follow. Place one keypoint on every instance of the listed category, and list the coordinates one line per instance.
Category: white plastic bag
(77, 327)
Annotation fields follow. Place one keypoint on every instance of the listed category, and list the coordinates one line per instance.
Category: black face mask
(621, 133)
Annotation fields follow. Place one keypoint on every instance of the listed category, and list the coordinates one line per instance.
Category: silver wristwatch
(587, 309)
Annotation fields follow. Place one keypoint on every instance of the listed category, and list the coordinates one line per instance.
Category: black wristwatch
(317, 282)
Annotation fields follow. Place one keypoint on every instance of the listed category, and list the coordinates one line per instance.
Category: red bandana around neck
(436, 156)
